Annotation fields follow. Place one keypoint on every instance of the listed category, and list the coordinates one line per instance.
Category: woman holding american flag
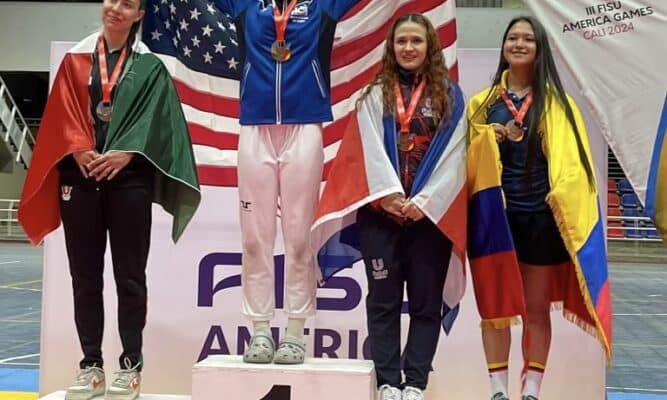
(285, 98)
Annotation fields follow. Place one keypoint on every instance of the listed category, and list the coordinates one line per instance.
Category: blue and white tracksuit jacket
(292, 92)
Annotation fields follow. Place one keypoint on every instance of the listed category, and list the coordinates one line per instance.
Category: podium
(316, 379)
(60, 395)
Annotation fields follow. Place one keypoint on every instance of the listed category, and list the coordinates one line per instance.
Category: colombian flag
(656, 191)
(582, 285)
(493, 263)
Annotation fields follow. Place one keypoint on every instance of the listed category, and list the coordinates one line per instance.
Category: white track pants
(278, 161)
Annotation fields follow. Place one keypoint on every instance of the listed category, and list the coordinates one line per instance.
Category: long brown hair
(433, 70)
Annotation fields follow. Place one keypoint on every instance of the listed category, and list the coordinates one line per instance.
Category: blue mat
(19, 379)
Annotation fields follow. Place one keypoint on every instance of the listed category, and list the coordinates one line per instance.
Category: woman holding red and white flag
(112, 141)
(395, 198)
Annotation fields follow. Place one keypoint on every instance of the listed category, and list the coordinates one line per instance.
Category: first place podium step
(316, 379)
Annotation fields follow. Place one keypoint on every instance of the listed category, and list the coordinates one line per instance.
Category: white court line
(9, 262)
(18, 358)
(638, 389)
(20, 288)
(642, 315)
(20, 364)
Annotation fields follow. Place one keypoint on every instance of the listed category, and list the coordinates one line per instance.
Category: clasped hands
(101, 166)
(396, 204)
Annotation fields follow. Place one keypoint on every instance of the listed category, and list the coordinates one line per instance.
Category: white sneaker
(89, 383)
(126, 384)
(412, 393)
(389, 393)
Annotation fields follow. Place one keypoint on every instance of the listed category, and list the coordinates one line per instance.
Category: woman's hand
(83, 158)
(108, 165)
(501, 132)
(393, 204)
(411, 211)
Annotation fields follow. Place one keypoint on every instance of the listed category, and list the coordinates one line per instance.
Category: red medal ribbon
(403, 116)
(281, 19)
(108, 84)
(521, 113)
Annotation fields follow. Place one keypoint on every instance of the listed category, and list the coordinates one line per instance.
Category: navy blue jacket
(297, 91)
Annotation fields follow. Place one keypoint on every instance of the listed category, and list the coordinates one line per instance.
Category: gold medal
(280, 51)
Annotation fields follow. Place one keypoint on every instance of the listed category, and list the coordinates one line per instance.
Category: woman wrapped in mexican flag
(112, 141)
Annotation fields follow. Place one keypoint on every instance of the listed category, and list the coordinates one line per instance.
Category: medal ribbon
(403, 116)
(108, 84)
(281, 19)
(521, 113)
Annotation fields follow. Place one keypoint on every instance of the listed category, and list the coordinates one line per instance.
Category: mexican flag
(147, 120)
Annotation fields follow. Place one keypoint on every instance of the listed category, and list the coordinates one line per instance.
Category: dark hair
(545, 75)
(434, 69)
(132, 36)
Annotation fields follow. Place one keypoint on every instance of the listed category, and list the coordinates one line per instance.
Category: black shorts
(536, 238)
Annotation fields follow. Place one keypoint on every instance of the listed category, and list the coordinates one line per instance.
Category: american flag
(198, 45)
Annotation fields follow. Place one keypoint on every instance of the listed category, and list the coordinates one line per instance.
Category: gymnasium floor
(640, 327)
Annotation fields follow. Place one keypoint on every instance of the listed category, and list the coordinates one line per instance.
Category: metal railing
(15, 130)
(638, 227)
(9, 223)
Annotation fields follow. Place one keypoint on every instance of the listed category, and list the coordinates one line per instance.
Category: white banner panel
(194, 303)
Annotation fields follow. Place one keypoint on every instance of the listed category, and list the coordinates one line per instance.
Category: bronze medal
(515, 128)
(406, 140)
(406, 143)
(514, 131)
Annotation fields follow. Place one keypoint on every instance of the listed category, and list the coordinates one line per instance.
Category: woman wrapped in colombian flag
(535, 233)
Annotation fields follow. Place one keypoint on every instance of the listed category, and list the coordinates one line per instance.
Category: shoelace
(411, 393)
(124, 377)
(389, 394)
(83, 376)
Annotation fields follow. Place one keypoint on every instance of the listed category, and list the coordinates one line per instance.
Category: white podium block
(60, 395)
(316, 379)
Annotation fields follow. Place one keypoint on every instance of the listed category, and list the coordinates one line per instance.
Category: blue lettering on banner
(327, 342)
(208, 288)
